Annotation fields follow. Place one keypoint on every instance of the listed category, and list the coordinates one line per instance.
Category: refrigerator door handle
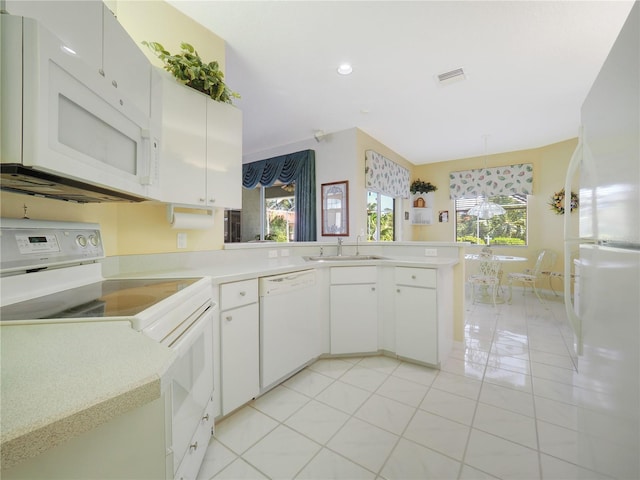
(570, 242)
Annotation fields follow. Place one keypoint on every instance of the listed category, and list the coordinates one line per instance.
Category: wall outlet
(430, 252)
(182, 240)
(273, 253)
(284, 253)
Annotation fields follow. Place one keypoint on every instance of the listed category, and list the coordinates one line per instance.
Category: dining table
(483, 295)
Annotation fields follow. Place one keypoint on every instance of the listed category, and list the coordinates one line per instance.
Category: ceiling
(528, 65)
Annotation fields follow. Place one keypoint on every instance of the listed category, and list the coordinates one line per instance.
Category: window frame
(518, 202)
(378, 213)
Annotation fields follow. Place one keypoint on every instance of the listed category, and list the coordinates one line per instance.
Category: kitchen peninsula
(248, 263)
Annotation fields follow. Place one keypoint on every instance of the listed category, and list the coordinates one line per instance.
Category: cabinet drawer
(190, 464)
(340, 275)
(416, 277)
(236, 294)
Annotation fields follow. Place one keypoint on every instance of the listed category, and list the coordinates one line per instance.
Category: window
(507, 229)
(268, 213)
(380, 219)
(279, 213)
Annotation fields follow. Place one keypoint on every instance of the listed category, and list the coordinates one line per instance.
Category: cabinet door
(224, 155)
(416, 324)
(98, 40)
(354, 318)
(239, 356)
(77, 24)
(126, 68)
(183, 145)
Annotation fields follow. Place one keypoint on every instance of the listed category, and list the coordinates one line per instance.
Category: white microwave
(63, 125)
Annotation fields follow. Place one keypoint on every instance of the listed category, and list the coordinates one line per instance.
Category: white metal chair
(488, 276)
(546, 259)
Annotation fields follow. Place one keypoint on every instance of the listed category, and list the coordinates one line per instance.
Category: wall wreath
(557, 202)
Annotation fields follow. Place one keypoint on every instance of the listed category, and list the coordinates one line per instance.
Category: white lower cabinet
(354, 310)
(416, 324)
(423, 327)
(192, 460)
(239, 343)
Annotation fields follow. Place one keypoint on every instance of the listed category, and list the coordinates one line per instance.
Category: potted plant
(419, 187)
(189, 69)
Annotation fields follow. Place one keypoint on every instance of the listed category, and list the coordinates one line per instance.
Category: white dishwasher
(289, 324)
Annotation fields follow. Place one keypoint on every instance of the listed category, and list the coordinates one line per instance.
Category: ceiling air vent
(451, 76)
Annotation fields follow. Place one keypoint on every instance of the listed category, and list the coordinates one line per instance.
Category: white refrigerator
(606, 314)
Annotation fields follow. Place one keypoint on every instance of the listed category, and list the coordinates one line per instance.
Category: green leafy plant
(418, 186)
(189, 69)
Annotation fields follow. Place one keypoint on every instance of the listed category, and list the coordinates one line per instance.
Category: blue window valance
(506, 180)
(298, 168)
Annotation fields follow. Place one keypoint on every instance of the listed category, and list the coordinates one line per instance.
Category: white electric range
(50, 273)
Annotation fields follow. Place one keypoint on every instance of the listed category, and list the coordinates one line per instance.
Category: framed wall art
(335, 209)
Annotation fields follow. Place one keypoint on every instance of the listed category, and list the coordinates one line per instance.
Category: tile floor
(502, 406)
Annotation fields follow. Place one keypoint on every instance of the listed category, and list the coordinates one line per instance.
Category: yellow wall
(137, 228)
(127, 228)
(545, 228)
(157, 21)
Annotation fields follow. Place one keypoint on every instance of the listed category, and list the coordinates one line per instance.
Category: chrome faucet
(339, 253)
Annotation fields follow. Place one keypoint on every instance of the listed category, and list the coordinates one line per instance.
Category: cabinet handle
(206, 418)
(201, 200)
(229, 318)
(413, 277)
(101, 72)
(114, 83)
(373, 289)
(398, 290)
(193, 447)
(212, 200)
(242, 294)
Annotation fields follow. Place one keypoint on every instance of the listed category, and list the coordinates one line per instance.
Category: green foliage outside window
(507, 229)
(386, 224)
(277, 229)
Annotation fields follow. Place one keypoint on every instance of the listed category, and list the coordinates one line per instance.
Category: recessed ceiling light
(345, 69)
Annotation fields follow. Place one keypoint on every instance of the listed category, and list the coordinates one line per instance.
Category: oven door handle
(183, 343)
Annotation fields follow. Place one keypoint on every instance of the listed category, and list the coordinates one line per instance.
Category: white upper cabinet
(90, 30)
(201, 148)
(124, 65)
(183, 145)
(77, 24)
(224, 155)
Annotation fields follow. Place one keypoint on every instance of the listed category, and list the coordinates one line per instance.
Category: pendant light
(486, 209)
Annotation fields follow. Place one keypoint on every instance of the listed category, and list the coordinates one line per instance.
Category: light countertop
(244, 270)
(61, 380)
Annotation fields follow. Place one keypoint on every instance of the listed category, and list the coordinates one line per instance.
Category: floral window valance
(506, 180)
(385, 176)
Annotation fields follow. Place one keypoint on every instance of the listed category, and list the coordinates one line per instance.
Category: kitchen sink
(342, 258)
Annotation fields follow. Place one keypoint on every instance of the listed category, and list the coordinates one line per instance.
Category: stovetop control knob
(94, 240)
(81, 240)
